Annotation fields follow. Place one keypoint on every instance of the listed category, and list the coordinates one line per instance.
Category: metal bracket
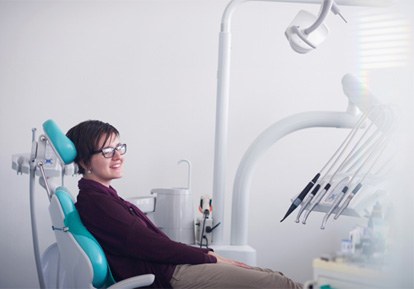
(63, 229)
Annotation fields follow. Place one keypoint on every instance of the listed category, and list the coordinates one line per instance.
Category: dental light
(303, 40)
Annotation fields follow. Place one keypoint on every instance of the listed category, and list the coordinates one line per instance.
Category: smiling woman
(133, 244)
(101, 159)
(106, 163)
(92, 137)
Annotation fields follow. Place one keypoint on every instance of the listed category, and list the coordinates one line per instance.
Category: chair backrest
(84, 260)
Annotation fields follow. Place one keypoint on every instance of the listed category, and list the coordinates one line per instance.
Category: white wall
(149, 68)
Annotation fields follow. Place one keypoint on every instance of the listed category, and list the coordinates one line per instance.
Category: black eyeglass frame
(110, 151)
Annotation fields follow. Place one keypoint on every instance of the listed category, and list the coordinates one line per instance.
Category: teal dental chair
(77, 257)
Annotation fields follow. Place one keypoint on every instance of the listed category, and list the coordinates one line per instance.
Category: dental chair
(77, 258)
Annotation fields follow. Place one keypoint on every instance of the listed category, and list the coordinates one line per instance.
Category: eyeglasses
(109, 152)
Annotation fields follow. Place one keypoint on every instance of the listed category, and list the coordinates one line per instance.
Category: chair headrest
(62, 145)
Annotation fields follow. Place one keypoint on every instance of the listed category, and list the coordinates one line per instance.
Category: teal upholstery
(62, 202)
(61, 143)
(65, 148)
(101, 272)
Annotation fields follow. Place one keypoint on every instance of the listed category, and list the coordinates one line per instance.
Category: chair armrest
(134, 282)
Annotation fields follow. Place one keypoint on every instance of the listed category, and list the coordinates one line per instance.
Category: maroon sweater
(132, 243)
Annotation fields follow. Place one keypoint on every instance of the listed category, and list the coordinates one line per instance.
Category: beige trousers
(224, 276)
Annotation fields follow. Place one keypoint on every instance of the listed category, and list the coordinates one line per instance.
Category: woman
(132, 243)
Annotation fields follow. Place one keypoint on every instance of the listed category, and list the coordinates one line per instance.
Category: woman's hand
(228, 261)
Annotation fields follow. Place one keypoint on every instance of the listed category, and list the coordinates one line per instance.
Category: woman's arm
(228, 261)
(121, 232)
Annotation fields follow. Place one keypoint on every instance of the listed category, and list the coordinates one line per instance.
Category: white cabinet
(341, 275)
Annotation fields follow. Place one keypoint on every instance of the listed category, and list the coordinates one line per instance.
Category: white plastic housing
(298, 39)
(174, 213)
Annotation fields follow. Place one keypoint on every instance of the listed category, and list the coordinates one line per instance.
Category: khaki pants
(224, 276)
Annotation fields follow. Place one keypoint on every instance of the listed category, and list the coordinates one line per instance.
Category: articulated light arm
(231, 7)
(226, 19)
(222, 107)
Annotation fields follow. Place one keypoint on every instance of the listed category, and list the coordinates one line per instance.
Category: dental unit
(343, 175)
(301, 40)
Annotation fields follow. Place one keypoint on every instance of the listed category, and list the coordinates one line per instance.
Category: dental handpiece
(317, 200)
(303, 207)
(348, 200)
(307, 201)
(301, 196)
(334, 206)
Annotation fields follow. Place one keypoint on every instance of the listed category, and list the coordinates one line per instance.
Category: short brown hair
(86, 136)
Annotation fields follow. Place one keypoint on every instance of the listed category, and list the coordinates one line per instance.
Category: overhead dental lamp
(307, 31)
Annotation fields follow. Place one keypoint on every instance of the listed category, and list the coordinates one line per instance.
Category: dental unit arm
(360, 100)
(366, 151)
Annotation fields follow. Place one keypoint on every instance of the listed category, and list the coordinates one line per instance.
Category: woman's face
(104, 170)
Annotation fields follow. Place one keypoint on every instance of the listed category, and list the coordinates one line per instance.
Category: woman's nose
(117, 155)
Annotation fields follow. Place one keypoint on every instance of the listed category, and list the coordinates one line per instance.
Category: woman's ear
(84, 166)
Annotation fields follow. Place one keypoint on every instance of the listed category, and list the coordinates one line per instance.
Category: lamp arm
(228, 12)
(325, 8)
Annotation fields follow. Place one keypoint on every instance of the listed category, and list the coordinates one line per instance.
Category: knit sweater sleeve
(123, 233)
